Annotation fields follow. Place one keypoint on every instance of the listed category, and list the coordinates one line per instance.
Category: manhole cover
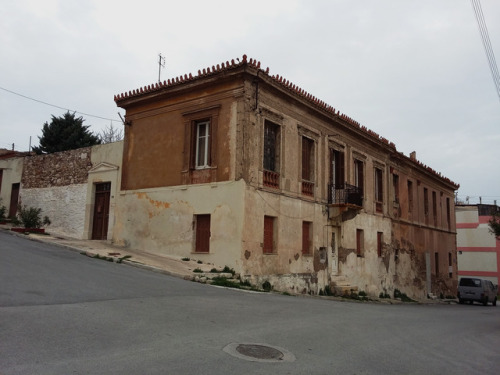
(259, 352)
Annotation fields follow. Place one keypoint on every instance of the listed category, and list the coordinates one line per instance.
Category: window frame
(269, 235)
(359, 175)
(206, 145)
(271, 147)
(307, 238)
(380, 239)
(191, 119)
(360, 242)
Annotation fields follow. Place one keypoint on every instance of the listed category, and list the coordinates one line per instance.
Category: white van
(472, 289)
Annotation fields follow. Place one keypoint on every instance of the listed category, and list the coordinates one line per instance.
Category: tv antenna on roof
(161, 64)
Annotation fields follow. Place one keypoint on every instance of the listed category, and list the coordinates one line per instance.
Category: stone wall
(58, 169)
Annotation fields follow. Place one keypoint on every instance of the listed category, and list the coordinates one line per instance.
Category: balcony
(344, 202)
(308, 188)
(345, 194)
(271, 179)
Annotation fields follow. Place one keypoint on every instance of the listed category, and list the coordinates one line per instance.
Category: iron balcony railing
(345, 194)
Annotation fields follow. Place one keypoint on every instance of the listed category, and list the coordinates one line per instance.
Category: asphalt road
(64, 313)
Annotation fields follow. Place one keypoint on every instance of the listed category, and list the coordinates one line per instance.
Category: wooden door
(14, 200)
(101, 211)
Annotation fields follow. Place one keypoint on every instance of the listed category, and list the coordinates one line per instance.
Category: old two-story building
(238, 167)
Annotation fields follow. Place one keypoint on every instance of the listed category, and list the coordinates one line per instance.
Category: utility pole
(161, 64)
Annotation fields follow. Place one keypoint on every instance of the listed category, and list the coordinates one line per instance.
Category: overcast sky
(413, 71)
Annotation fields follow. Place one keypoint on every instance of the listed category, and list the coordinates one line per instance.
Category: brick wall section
(58, 169)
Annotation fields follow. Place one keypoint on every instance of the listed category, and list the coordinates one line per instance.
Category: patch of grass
(227, 269)
(186, 259)
(120, 260)
(245, 283)
(361, 296)
(402, 296)
(198, 270)
(223, 281)
(199, 262)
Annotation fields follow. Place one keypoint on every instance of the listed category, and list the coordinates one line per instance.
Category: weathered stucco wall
(161, 221)
(12, 170)
(106, 162)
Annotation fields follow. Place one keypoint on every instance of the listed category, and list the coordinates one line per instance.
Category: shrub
(3, 210)
(226, 269)
(197, 270)
(31, 217)
(402, 296)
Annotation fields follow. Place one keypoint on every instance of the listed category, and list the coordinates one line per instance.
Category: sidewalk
(169, 265)
(105, 249)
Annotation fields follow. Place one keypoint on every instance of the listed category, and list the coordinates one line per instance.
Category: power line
(56, 106)
(483, 30)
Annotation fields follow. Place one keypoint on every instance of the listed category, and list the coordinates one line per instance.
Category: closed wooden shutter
(306, 243)
(202, 233)
(268, 235)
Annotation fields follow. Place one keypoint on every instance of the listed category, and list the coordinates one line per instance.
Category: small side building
(76, 189)
(478, 249)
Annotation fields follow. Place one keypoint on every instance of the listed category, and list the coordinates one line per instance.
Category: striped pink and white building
(478, 249)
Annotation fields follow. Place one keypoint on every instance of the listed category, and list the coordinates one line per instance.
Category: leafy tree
(494, 224)
(65, 133)
(110, 134)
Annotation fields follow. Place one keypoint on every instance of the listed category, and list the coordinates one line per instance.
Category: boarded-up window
(306, 237)
(360, 242)
(426, 202)
(379, 191)
(410, 196)
(434, 208)
(379, 243)
(395, 186)
(202, 234)
(307, 159)
(268, 234)
(448, 213)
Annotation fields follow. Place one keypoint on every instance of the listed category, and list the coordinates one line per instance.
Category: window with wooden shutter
(202, 234)
(306, 237)
(379, 243)
(268, 247)
(359, 175)
(360, 245)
